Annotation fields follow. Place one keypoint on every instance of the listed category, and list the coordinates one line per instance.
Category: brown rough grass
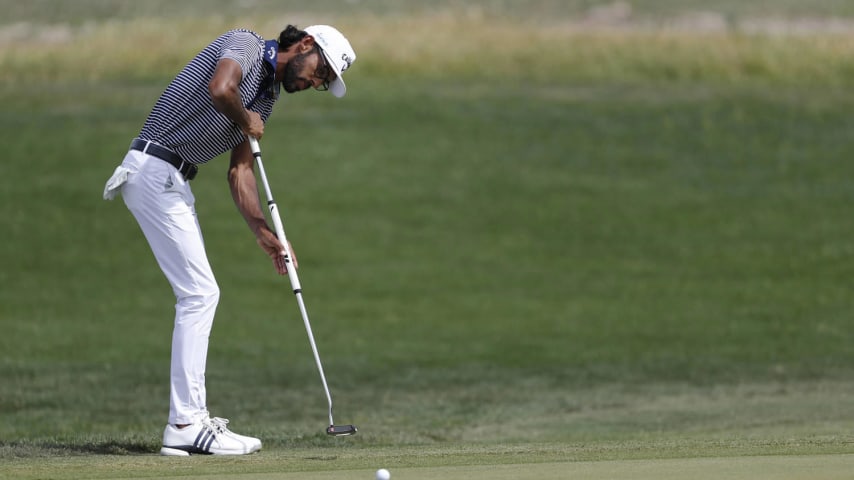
(446, 44)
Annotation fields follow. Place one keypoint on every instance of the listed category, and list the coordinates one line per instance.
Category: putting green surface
(770, 467)
(813, 467)
(737, 468)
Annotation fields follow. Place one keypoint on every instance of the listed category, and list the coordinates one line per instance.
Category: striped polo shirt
(184, 119)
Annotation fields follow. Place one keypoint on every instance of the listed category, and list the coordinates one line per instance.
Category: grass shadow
(53, 448)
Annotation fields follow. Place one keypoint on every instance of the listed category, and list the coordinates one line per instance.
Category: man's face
(307, 70)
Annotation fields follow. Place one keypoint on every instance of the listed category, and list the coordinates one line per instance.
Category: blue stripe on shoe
(198, 440)
(207, 446)
(204, 440)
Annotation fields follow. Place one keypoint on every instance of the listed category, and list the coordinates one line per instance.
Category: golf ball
(383, 474)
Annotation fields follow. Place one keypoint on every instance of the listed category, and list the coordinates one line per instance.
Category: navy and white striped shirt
(184, 119)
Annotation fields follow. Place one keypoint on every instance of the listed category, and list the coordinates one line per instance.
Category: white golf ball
(383, 474)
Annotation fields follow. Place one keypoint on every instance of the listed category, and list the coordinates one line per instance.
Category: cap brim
(337, 86)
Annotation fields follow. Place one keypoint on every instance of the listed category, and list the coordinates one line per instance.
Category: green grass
(640, 261)
(428, 463)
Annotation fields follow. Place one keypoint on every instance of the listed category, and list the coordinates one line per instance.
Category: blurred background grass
(731, 42)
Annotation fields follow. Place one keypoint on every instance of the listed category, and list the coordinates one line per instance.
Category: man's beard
(292, 72)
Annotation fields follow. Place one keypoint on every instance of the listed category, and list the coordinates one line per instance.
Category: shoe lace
(218, 424)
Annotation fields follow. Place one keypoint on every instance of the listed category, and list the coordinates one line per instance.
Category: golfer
(224, 95)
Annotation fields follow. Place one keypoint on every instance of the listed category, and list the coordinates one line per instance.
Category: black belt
(187, 169)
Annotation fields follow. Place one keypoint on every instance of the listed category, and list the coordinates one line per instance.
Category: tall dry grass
(446, 44)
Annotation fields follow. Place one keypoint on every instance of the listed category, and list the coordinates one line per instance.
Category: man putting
(224, 95)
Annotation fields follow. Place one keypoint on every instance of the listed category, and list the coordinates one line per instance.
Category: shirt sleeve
(244, 48)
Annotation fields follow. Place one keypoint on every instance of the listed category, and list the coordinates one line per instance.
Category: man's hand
(268, 241)
(255, 128)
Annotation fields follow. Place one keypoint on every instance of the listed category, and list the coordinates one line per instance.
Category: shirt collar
(271, 48)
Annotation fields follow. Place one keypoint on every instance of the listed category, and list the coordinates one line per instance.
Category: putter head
(341, 430)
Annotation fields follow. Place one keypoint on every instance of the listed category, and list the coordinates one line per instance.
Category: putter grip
(253, 144)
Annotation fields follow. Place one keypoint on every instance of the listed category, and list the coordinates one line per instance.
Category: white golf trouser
(163, 205)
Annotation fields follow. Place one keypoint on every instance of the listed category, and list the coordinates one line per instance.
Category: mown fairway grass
(636, 248)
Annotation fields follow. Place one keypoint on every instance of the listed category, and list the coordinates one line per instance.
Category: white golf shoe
(207, 436)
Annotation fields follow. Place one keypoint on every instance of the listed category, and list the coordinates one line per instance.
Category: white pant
(162, 203)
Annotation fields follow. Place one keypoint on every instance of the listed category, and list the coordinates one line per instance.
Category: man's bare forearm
(244, 189)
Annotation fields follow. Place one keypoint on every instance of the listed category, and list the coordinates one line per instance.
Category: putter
(332, 429)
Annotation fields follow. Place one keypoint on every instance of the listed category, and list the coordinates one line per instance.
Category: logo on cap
(347, 62)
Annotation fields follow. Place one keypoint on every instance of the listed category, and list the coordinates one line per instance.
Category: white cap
(337, 51)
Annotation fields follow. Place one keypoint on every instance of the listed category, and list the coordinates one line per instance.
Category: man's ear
(306, 44)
